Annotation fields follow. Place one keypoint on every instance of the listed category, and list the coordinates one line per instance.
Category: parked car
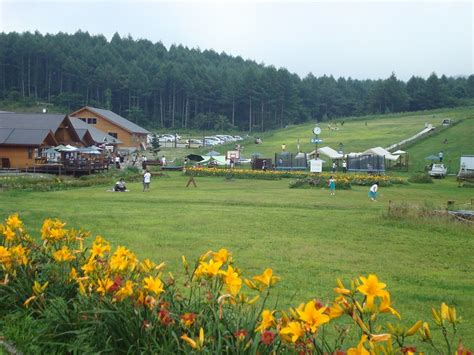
(238, 138)
(166, 138)
(438, 170)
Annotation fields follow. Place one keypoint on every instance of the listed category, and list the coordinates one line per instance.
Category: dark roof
(97, 135)
(118, 120)
(31, 121)
(19, 136)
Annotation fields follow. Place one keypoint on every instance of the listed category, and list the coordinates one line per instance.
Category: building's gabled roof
(30, 121)
(28, 137)
(116, 119)
(97, 135)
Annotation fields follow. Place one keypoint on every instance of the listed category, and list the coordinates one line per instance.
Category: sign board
(316, 165)
(233, 154)
(316, 140)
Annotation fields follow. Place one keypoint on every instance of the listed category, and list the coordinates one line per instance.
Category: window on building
(84, 119)
(92, 120)
(30, 153)
(113, 134)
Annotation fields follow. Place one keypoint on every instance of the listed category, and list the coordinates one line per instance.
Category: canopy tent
(89, 150)
(432, 157)
(65, 148)
(379, 151)
(219, 160)
(213, 153)
(353, 154)
(328, 152)
(399, 152)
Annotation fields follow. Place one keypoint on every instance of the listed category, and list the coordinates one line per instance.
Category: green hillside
(359, 134)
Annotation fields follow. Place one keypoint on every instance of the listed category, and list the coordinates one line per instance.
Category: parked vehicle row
(207, 141)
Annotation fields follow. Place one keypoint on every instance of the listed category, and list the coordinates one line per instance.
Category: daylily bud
(362, 325)
(426, 331)
(452, 315)
(436, 316)
(444, 311)
(185, 262)
(414, 328)
(379, 337)
(359, 307)
(254, 299)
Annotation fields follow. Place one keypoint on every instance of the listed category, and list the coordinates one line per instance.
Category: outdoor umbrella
(431, 157)
(213, 153)
(194, 157)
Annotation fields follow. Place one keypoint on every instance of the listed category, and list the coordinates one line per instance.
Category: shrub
(58, 297)
(421, 179)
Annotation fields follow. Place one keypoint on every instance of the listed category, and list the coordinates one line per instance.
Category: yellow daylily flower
(104, 285)
(385, 306)
(63, 254)
(336, 310)
(371, 288)
(5, 257)
(19, 254)
(360, 350)
(266, 278)
(268, 321)
(14, 221)
(147, 265)
(231, 280)
(222, 256)
(292, 332)
(312, 316)
(9, 234)
(154, 285)
(125, 291)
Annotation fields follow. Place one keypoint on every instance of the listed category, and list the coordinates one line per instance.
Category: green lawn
(306, 236)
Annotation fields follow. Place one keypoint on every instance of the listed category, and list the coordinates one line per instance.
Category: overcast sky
(347, 38)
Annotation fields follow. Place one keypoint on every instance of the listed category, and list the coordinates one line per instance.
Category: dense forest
(181, 87)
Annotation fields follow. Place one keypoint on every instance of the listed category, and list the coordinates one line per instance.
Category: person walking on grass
(373, 191)
(146, 181)
(332, 186)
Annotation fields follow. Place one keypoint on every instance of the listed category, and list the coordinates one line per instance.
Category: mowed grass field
(308, 237)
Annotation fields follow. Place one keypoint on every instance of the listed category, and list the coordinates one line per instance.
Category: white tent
(218, 159)
(381, 153)
(328, 152)
(399, 152)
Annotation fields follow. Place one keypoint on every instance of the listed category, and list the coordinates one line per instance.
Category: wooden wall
(18, 156)
(128, 139)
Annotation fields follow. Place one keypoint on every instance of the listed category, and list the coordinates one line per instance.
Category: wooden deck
(70, 167)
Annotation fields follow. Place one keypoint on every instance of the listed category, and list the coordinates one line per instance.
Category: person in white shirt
(373, 191)
(146, 181)
(163, 161)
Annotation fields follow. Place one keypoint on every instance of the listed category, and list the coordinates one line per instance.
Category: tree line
(184, 87)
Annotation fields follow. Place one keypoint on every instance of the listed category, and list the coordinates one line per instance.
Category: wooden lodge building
(24, 137)
(130, 134)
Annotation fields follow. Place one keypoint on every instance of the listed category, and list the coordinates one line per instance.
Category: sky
(358, 39)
